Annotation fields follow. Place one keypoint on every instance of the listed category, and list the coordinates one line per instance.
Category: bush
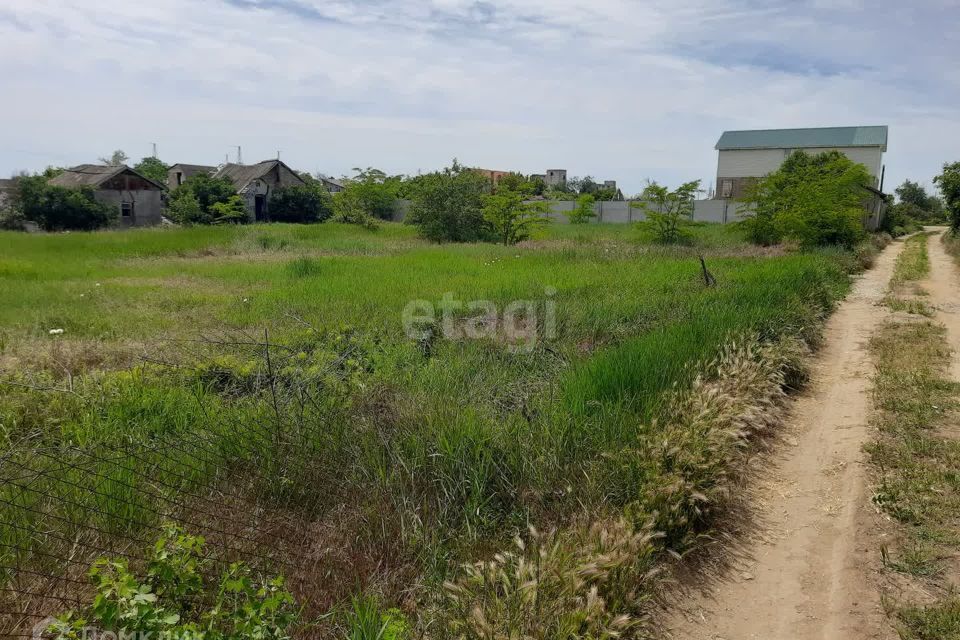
(59, 209)
(303, 204)
(447, 205)
(348, 209)
(168, 601)
(192, 202)
(582, 211)
(667, 211)
(814, 200)
(233, 211)
(510, 218)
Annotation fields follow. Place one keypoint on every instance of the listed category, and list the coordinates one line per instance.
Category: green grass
(912, 265)
(916, 461)
(421, 453)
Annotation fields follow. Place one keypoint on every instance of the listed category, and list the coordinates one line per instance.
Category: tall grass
(416, 459)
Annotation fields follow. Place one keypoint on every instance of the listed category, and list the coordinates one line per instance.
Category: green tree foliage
(667, 211)
(447, 205)
(949, 184)
(375, 191)
(152, 168)
(913, 208)
(233, 211)
(206, 192)
(815, 200)
(582, 212)
(176, 598)
(58, 208)
(116, 158)
(348, 208)
(518, 183)
(304, 204)
(510, 218)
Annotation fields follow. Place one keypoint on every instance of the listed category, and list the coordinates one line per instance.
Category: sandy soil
(808, 568)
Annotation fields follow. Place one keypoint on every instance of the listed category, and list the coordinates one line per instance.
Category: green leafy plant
(177, 599)
(303, 203)
(667, 211)
(232, 211)
(193, 201)
(447, 205)
(512, 219)
(582, 211)
(348, 208)
(368, 622)
(814, 200)
(949, 183)
(59, 208)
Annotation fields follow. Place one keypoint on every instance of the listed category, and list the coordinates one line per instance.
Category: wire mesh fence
(231, 437)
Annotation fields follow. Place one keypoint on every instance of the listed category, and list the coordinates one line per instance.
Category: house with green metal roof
(745, 156)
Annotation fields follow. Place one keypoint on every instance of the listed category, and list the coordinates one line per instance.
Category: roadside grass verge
(916, 458)
(913, 265)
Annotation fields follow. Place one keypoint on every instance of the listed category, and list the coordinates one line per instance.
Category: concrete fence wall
(621, 212)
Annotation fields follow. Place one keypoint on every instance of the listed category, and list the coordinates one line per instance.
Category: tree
(56, 208)
(816, 200)
(582, 211)
(949, 184)
(447, 205)
(206, 191)
(666, 211)
(375, 191)
(116, 158)
(231, 211)
(152, 168)
(349, 209)
(510, 218)
(304, 204)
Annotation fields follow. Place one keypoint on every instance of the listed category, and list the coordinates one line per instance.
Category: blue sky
(612, 88)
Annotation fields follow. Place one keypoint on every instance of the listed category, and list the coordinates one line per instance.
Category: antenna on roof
(239, 155)
(154, 149)
(278, 154)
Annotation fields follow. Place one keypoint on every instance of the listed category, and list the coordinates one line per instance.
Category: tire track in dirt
(804, 571)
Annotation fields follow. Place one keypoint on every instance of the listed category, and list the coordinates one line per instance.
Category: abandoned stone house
(256, 182)
(138, 199)
(179, 173)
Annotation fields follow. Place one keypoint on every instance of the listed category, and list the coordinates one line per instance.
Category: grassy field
(257, 383)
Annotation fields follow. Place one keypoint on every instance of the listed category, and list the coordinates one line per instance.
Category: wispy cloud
(615, 88)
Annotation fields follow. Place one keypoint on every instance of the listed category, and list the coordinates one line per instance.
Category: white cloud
(613, 88)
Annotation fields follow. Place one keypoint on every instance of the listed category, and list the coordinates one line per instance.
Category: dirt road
(804, 573)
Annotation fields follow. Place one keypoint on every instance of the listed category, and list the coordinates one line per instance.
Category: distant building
(179, 173)
(255, 183)
(492, 174)
(542, 177)
(745, 156)
(137, 198)
(556, 178)
(331, 185)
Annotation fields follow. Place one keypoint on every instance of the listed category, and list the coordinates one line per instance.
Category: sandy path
(804, 572)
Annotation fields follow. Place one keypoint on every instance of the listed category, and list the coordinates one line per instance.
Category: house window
(179, 178)
(126, 209)
(726, 188)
